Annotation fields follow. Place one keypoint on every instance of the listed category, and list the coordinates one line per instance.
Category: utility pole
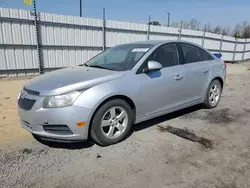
(203, 37)
(38, 41)
(180, 30)
(80, 8)
(168, 19)
(104, 29)
(148, 32)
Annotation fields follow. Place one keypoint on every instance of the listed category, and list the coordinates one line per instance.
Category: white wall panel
(248, 45)
(228, 46)
(247, 55)
(212, 35)
(192, 39)
(240, 47)
(10, 58)
(238, 57)
(18, 39)
(229, 38)
(3, 62)
(19, 59)
(212, 44)
(7, 33)
(227, 56)
(28, 59)
(192, 32)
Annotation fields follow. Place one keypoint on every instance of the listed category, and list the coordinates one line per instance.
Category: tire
(211, 93)
(114, 116)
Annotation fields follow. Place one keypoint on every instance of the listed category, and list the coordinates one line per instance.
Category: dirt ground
(148, 158)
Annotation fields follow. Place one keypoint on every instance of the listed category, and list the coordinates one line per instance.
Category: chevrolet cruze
(121, 86)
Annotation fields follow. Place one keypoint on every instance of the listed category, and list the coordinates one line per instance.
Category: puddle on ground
(187, 135)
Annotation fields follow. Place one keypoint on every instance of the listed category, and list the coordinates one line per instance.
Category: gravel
(148, 158)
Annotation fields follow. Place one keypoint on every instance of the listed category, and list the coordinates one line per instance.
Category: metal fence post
(180, 31)
(104, 29)
(203, 37)
(148, 31)
(244, 49)
(38, 41)
(221, 42)
(235, 47)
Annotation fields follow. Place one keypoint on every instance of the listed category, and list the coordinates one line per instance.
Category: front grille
(26, 104)
(31, 92)
(57, 129)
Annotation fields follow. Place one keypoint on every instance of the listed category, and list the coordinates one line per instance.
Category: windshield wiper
(98, 66)
(83, 65)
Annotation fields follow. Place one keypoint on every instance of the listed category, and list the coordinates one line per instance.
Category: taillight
(225, 65)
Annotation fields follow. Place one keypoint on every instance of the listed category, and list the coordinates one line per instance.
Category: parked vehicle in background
(124, 85)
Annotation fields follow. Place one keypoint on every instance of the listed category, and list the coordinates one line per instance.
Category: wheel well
(220, 80)
(123, 97)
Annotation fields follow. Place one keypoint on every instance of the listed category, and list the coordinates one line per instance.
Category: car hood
(71, 79)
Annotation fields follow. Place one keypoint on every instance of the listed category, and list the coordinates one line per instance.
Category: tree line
(241, 30)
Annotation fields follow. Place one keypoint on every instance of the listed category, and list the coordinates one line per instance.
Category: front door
(162, 90)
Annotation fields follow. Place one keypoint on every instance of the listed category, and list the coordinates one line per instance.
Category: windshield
(119, 58)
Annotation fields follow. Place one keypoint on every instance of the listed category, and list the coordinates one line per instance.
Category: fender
(94, 96)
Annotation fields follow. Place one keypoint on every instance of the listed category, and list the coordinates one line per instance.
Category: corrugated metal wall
(68, 40)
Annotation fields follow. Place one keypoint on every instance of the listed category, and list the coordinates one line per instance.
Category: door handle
(178, 77)
(205, 70)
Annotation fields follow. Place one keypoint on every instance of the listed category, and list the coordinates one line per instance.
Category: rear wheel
(112, 122)
(213, 94)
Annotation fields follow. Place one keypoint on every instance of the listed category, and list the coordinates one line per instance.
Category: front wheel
(213, 94)
(112, 122)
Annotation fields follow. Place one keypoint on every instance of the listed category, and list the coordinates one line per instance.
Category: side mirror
(152, 66)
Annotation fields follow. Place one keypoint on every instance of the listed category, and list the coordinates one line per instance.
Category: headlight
(61, 100)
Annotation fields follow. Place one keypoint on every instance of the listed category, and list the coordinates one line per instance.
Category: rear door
(197, 63)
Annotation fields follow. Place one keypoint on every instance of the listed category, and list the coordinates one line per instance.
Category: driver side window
(166, 55)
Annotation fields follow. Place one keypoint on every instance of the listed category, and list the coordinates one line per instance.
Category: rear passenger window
(166, 55)
(194, 54)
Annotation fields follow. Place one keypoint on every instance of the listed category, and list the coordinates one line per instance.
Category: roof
(158, 42)
(153, 42)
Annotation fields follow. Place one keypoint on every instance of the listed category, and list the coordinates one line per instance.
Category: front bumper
(36, 118)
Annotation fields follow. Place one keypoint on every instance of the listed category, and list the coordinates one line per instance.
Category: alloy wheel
(114, 122)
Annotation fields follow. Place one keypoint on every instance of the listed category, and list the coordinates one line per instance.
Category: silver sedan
(121, 86)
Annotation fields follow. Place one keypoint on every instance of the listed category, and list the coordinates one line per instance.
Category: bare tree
(218, 30)
(194, 24)
(155, 23)
(241, 30)
(174, 24)
(244, 24)
(209, 27)
(185, 25)
(226, 30)
(237, 30)
(245, 30)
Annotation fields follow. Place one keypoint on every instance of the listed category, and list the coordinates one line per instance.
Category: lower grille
(26, 104)
(57, 129)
